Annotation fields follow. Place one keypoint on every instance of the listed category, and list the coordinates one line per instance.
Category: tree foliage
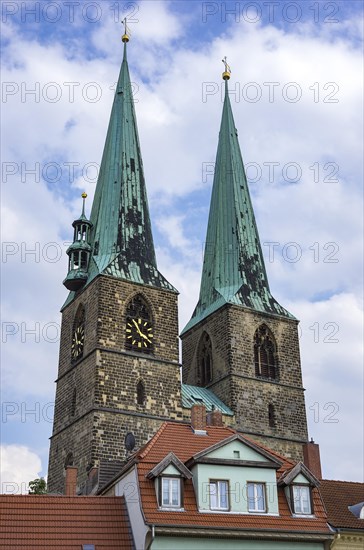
(38, 486)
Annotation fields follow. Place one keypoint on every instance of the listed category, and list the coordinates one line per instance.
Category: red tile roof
(184, 443)
(337, 496)
(58, 522)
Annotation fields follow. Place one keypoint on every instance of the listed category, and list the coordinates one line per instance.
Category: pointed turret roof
(121, 235)
(233, 267)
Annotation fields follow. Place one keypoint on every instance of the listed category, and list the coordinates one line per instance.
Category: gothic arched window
(139, 326)
(78, 334)
(140, 393)
(265, 354)
(205, 360)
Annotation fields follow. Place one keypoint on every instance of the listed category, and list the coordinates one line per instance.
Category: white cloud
(19, 465)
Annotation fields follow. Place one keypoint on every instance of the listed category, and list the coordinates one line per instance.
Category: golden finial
(226, 74)
(84, 197)
(125, 37)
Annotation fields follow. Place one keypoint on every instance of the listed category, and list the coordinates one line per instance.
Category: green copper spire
(121, 235)
(233, 267)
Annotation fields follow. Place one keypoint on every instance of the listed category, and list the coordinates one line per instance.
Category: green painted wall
(186, 543)
(301, 479)
(171, 470)
(246, 453)
(238, 477)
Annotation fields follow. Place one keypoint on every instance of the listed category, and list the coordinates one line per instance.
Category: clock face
(78, 340)
(139, 334)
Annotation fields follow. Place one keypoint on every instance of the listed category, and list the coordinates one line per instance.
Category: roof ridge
(343, 481)
(154, 439)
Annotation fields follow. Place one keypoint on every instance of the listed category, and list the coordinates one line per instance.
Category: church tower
(240, 342)
(119, 371)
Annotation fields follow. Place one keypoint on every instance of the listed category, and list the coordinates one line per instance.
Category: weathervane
(226, 74)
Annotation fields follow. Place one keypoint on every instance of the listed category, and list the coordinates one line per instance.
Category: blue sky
(296, 92)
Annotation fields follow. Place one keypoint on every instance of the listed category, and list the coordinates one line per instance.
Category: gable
(301, 479)
(171, 470)
(228, 452)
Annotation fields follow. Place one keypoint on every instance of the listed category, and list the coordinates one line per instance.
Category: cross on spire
(226, 74)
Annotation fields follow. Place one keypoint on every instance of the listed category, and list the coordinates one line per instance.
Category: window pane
(213, 495)
(305, 500)
(260, 497)
(301, 498)
(256, 497)
(175, 492)
(223, 489)
(171, 495)
(251, 500)
(165, 489)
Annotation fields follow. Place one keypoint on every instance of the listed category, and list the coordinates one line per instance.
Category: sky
(296, 94)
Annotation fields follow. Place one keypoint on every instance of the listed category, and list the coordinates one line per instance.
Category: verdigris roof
(121, 235)
(192, 395)
(233, 267)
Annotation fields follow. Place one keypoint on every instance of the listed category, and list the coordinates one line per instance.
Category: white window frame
(254, 508)
(298, 500)
(218, 493)
(170, 480)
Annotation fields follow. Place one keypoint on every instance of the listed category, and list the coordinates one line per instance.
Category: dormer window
(219, 495)
(256, 497)
(170, 496)
(301, 499)
(168, 477)
(298, 485)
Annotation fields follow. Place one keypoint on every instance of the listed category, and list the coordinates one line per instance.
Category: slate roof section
(196, 395)
(39, 522)
(185, 444)
(337, 496)
(233, 268)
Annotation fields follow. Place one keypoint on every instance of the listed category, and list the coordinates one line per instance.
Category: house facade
(204, 486)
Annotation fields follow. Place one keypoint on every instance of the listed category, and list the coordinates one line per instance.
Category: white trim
(302, 516)
(222, 511)
(170, 480)
(170, 509)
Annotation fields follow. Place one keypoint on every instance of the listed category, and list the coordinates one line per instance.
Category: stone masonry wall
(232, 330)
(94, 425)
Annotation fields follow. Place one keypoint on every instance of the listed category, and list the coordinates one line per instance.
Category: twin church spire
(119, 237)
(233, 267)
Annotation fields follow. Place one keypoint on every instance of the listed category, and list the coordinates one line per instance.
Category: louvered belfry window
(265, 353)
(205, 360)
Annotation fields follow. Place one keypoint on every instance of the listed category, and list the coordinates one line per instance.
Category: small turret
(79, 252)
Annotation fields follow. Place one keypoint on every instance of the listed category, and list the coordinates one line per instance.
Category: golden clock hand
(137, 327)
(145, 337)
(140, 332)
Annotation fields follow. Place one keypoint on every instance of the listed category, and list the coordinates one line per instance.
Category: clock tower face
(139, 333)
(78, 340)
(139, 327)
